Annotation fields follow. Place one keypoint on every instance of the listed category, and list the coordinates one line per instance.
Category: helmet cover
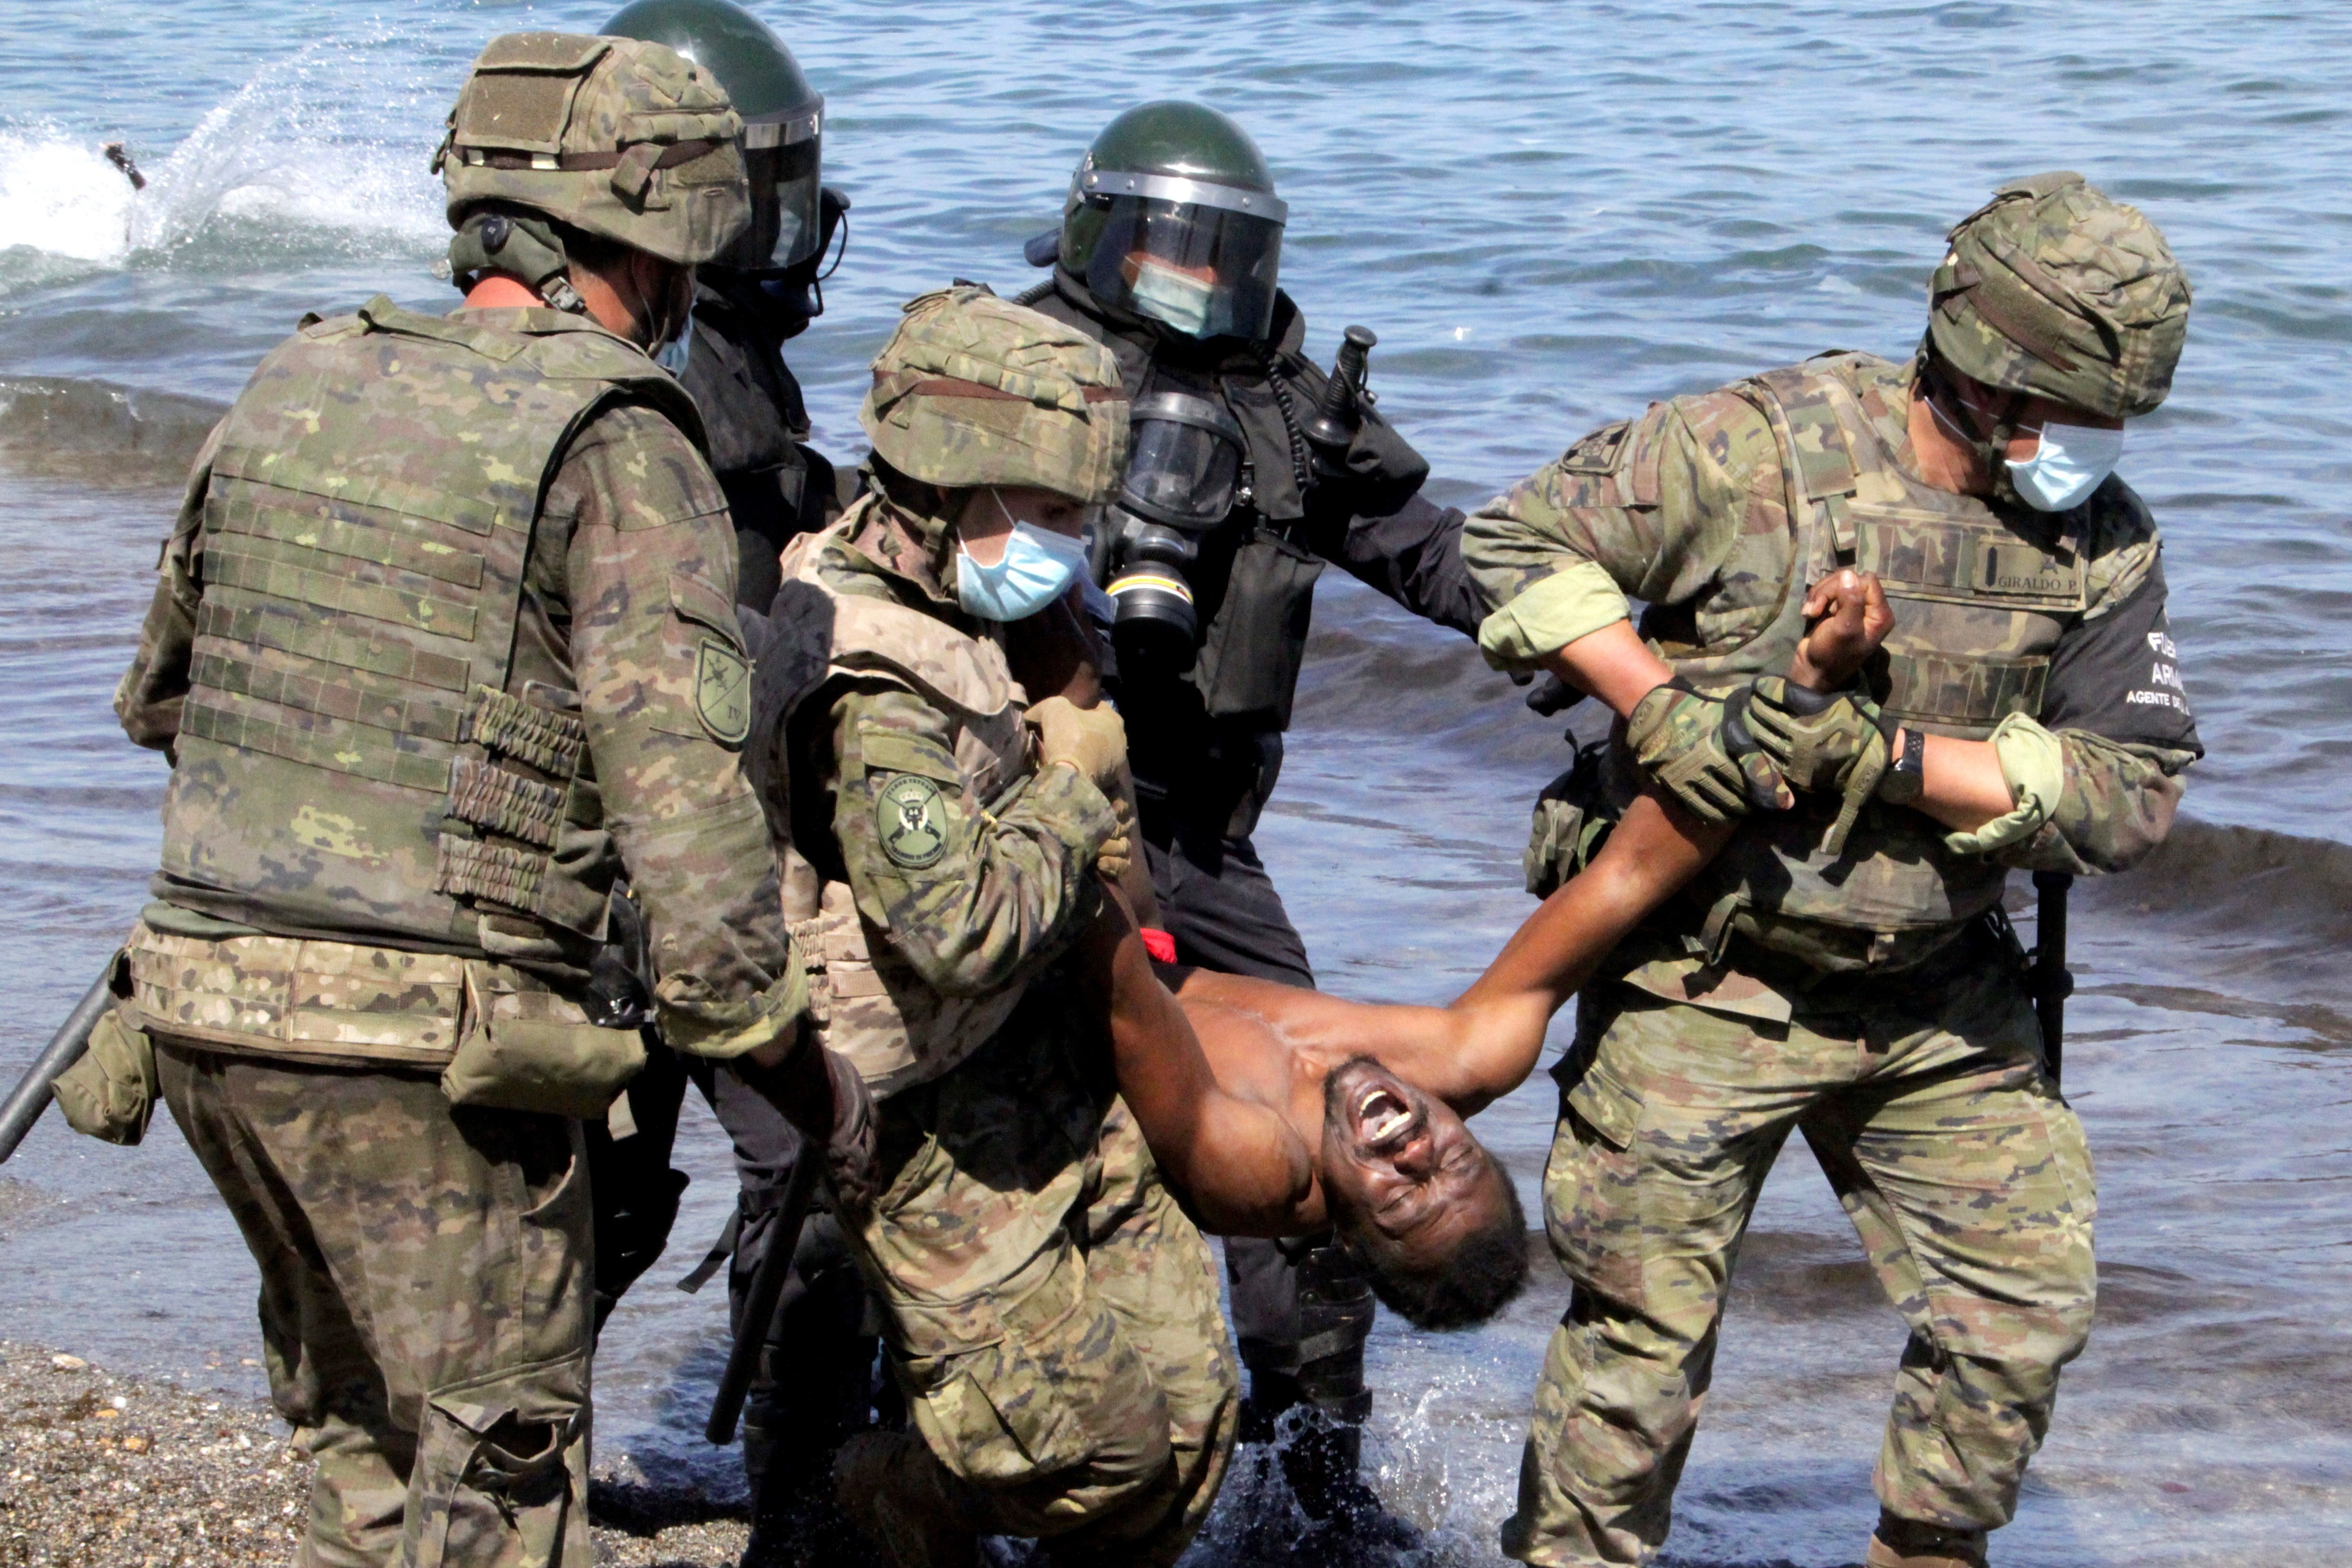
(2055, 289)
(974, 390)
(615, 137)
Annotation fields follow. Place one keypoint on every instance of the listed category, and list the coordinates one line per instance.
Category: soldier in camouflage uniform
(1051, 1314)
(445, 644)
(1839, 970)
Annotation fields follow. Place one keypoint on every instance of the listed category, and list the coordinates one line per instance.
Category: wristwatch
(1904, 780)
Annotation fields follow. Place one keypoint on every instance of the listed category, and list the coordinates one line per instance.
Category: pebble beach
(101, 1471)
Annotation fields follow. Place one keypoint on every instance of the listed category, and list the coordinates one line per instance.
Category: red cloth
(1158, 944)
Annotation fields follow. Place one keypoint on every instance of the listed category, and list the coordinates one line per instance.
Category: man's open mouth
(1381, 1115)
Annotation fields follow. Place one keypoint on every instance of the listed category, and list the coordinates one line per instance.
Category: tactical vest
(866, 1001)
(1978, 605)
(350, 763)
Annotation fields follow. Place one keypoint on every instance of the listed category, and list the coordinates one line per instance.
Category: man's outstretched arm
(1484, 1045)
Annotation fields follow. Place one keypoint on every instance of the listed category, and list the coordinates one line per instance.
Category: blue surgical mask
(1168, 295)
(2070, 463)
(672, 355)
(1037, 569)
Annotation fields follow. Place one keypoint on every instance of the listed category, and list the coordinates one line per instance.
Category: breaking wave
(100, 433)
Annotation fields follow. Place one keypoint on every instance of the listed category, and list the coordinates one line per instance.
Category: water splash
(60, 196)
(321, 154)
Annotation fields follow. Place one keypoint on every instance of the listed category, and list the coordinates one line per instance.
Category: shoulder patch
(1600, 452)
(910, 821)
(723, 691)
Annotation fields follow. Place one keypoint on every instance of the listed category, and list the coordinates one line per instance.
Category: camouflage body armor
(358, 619)
(1979, 602)
(865, 1002)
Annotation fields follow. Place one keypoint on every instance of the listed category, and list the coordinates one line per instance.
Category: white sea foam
(60, 196)
(322, 151)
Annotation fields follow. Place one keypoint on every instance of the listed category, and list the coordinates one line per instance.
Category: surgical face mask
(1168, 295)
(2070, 463)
(1037, 569)
(672, 355)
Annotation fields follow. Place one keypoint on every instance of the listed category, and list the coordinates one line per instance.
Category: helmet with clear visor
(784, 119)
(1172, 214)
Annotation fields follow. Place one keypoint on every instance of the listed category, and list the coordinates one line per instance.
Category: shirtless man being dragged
(1275, 1110)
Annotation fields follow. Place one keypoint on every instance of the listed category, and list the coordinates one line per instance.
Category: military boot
(796, 1519)
(1907, 1543)
(899, 1494)
(1322, 1460)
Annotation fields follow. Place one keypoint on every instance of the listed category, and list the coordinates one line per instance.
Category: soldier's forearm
(1962, 785)
(1414, 556)
(147, 699)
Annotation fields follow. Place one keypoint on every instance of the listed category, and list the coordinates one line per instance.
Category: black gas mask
(792, 296)
(1183, 471)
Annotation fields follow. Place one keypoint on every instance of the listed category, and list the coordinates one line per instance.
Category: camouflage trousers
(1965, 1174)
(1052, 1316)
(425, 1303)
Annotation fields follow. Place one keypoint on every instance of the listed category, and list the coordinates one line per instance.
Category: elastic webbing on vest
(256, 625)
(492, 797)
(358, 751)
(499, 872)
(1977, 690)
(507, 803)
(550, 741)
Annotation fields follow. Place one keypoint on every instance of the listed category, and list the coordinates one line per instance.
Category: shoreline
(98, 1470)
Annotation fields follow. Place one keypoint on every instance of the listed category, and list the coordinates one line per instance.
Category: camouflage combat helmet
(2056, 289)
(783, 119)
(1173, 214)
(975, 390)
(615, 137)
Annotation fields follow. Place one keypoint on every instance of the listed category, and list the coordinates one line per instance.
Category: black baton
(2051, 982)
(767, 1290)
(31, 1095)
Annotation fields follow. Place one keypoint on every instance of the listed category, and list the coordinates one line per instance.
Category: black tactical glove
(843, 1121)
(1696, 748)
(1825, 741)
(849, 1152)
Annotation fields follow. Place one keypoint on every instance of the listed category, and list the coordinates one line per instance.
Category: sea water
(1552, 214)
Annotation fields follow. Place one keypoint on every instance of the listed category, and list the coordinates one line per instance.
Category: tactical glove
(1820, 741)
(1694, 747)
(1091, 740)
(1118, 851)
(849, 1151)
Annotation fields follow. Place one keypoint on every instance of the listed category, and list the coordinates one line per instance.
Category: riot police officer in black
(814, 1383)
(1245, 479)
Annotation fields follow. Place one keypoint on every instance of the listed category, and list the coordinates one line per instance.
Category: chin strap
(1990, 449)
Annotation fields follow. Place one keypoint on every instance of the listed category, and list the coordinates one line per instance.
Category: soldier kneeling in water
(1051, 1313)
